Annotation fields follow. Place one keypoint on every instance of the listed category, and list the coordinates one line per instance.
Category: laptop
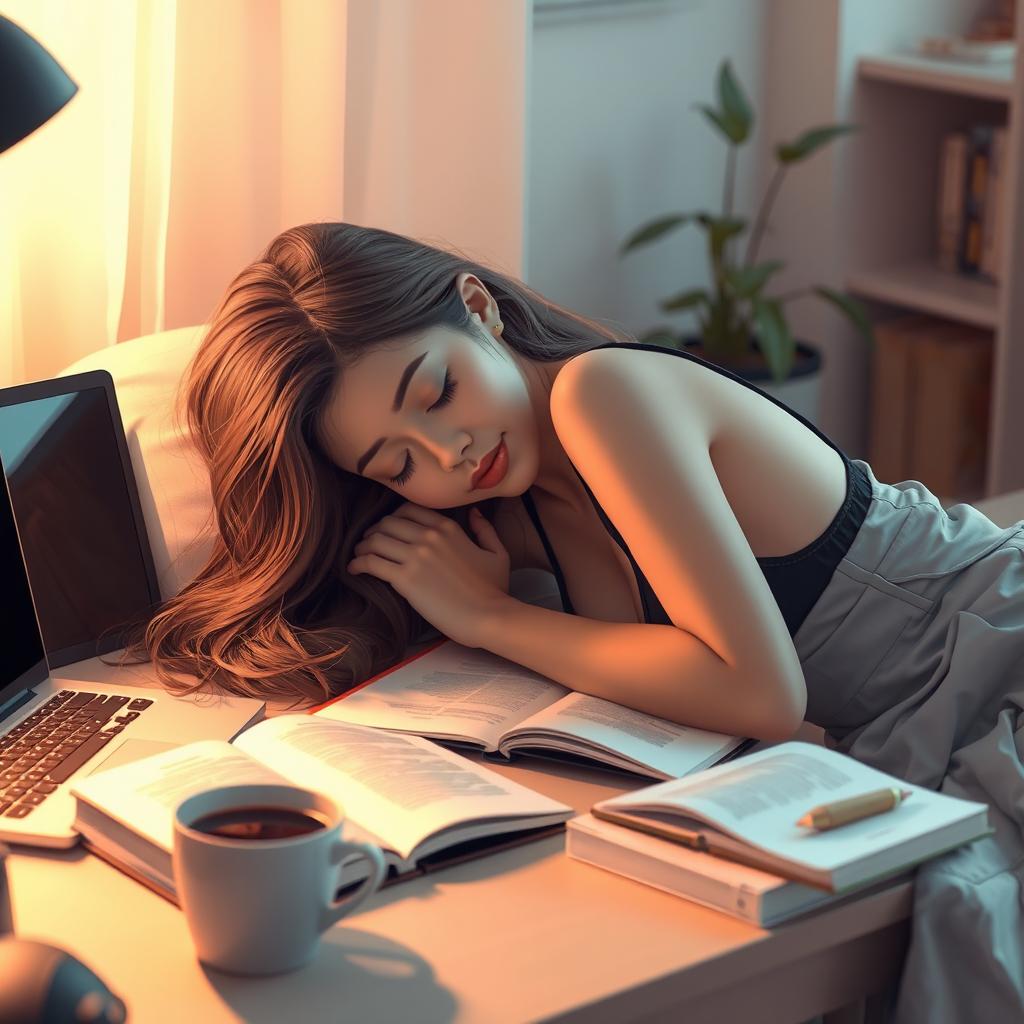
(71, 522)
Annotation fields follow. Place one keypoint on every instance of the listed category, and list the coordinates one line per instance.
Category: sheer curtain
(201, 129)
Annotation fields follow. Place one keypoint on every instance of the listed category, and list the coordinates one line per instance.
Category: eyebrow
(403, 386)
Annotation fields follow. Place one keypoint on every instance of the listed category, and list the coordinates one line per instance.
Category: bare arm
(658, 669)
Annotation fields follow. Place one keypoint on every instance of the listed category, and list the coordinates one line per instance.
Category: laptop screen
(67, 485)
(22, 658)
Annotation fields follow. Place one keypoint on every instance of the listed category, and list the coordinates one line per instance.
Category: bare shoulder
(783, 482)
(675, 385)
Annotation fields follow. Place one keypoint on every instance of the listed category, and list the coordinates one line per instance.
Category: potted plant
(741, 328)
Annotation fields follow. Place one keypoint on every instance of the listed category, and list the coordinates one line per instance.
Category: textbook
(423, 805)
(748, 893)
(746, 812)
(471, 697)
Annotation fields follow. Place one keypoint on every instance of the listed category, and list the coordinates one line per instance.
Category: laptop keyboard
(56, 739)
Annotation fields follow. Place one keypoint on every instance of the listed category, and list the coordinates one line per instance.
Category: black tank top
(796, 580)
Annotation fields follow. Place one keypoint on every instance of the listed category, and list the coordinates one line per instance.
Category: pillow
(173, 485)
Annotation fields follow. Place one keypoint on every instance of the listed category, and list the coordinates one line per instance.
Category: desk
(522, 935)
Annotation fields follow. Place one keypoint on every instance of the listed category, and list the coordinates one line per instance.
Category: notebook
(84, 548)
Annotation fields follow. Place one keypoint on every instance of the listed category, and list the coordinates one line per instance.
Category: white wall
(613, 141)
(435, 123)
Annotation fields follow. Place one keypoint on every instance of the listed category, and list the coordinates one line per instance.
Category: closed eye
(447, 393)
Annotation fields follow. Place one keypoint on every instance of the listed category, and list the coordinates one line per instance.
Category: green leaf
(733, 129)
(774, 338)
(734, 103)
(810, 141)
(747, 281)
(655, 229)
(851, 308)
(721, 229)
(685, 300)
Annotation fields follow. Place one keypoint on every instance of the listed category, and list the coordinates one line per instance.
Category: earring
(497, 327)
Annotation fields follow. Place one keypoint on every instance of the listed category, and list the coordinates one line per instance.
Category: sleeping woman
(391, 429)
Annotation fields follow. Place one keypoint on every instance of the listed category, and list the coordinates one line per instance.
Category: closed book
(950, 213)
(747, 811)
(975, 186)
(748, 893)
(996, 177)
(999, 230)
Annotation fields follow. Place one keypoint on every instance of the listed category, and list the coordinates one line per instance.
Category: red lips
(486, 464)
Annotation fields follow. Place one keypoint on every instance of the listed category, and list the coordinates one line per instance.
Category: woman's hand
(431, 561)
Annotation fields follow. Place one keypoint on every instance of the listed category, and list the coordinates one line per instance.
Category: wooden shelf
(988, 81)
(923, 287)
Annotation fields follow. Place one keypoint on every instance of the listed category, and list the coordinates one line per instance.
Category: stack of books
(930, 404)
(971, 201)
(728, 837)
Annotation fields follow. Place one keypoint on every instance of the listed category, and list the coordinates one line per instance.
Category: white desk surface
(522, 935)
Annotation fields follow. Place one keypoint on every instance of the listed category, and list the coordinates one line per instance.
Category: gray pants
(914, 662)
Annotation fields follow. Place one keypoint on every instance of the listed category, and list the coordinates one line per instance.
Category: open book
(747, 811)
(423, 805)
(466, 695)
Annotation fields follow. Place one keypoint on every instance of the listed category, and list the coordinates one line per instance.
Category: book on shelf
(970, 201)
(979, 143)
(746, 812)
(423, 805)
(952, 178)
(991, 260)
(931, 396)
(468, 696)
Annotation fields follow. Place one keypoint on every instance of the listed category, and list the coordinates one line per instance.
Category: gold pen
(854, 809)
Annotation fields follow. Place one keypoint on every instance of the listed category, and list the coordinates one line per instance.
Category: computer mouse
(43, 984)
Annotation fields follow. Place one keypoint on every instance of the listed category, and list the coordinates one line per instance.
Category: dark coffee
(259, 822)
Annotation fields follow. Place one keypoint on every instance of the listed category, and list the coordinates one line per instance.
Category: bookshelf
(906, 105)
(994, 82)
(922, 286)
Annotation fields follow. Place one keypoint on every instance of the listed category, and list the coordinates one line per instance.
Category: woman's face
(419, 417)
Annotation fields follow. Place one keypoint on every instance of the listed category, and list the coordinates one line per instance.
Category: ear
(478, 300)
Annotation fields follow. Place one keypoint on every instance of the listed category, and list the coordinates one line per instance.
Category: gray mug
(260, 906)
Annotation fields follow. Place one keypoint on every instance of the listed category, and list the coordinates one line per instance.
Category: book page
(143, 794)
(648, 741)
(402, 788)
(759, 798)
(451, 692)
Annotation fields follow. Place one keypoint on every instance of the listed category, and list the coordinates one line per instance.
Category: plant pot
(799, 391)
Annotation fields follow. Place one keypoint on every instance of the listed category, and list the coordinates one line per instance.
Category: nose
(449, 449)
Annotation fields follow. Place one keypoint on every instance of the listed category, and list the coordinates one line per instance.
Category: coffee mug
(256, 868)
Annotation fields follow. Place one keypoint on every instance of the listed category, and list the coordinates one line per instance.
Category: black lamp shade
(33, 86)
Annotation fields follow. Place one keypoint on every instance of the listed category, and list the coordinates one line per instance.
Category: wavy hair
(274, 614)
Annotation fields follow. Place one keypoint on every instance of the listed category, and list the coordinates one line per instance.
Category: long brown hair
(274, 614)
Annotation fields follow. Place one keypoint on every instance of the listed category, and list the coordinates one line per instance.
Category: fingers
(379, 543)
(375, 565)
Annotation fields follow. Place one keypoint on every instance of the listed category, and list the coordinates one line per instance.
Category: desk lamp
(39, 983)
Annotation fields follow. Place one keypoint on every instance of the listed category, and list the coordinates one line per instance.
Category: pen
(854, 809)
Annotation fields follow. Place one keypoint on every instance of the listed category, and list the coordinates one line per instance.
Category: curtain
(202, 128)
(198, 132)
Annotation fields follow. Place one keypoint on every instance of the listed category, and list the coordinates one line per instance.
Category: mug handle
(337, 909)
